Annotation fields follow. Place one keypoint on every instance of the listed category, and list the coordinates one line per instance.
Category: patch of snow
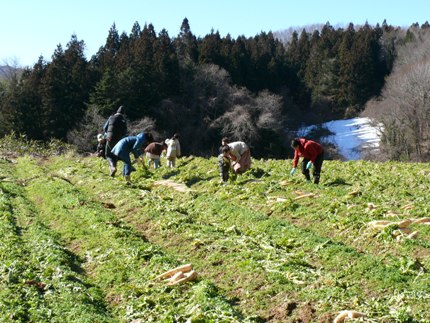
(352, 136)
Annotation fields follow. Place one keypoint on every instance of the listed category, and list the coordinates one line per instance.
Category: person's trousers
(316, 168)
(111, 158)
(224, 173)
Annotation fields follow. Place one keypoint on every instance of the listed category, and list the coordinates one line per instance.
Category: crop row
(278, 255)
(117, 259)
(40, 280)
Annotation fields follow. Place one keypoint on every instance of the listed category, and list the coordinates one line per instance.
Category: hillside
(7, 71)
(79, 246)
(3, 72)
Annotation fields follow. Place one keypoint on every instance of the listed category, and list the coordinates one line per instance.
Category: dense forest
(257, 89)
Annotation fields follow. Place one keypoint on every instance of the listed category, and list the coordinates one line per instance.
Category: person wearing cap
(312, 153)
(240, 153)
(115, 128)
(173, 150)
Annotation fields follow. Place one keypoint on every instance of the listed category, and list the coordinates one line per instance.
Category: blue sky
(30, 28)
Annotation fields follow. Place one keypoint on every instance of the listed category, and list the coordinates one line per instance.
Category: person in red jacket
(312, 153)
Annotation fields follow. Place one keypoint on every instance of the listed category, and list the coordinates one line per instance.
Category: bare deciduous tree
(237, 123)
(404, 106)
(269, 106)
(144, 125)
(84, 136)
(249, 115)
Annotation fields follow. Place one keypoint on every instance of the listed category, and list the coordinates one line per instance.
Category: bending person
(153, 153)
(127, 145)
(312, 153)
(240, 153)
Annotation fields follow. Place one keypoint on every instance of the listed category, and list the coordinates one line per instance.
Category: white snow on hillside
(352, 136)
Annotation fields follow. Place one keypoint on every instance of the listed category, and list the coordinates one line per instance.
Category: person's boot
(308, 177)
(127, 178)
(112, 169)
(316, 179)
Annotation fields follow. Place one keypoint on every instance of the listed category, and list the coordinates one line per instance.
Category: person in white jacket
(173, 150)
(240, 154)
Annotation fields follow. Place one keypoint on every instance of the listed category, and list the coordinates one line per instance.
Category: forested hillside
(255, 89)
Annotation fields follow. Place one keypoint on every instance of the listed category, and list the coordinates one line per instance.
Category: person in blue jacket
(127, 145)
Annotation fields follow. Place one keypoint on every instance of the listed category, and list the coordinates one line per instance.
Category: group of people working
(237, 154)
(115, 145)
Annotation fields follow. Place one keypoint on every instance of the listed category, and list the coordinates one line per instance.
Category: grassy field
(79, 246)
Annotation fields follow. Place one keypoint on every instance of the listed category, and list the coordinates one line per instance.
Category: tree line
(255, 89)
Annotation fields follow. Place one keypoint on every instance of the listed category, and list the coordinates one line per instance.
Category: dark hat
(295, 142)
(121, 109)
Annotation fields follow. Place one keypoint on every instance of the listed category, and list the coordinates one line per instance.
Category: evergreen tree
(322, 71)
(65, 89)
(186, 44)
(105, 57)
(29, 105)
(346, 70)
(135, 31)
(270, 67)
(125, 54)
(226, 53)
(365, 79)
(167, 66)
(241, 65)
(298, 58)
(210, 49)
(105, 95)
(145, 47)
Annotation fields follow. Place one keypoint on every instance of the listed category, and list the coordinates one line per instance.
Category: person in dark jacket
(127, 145)
(312, 153)
(153, 152)
(115, 128)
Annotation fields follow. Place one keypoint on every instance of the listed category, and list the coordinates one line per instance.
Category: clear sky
(30, 28)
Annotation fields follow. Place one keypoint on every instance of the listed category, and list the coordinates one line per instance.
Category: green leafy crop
(266, 246)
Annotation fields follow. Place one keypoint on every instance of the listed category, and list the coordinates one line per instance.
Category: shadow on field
(194, 180)
(337, 182)
(170, 174)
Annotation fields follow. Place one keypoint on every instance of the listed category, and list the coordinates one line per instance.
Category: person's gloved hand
(309, 165)
(293, 171)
